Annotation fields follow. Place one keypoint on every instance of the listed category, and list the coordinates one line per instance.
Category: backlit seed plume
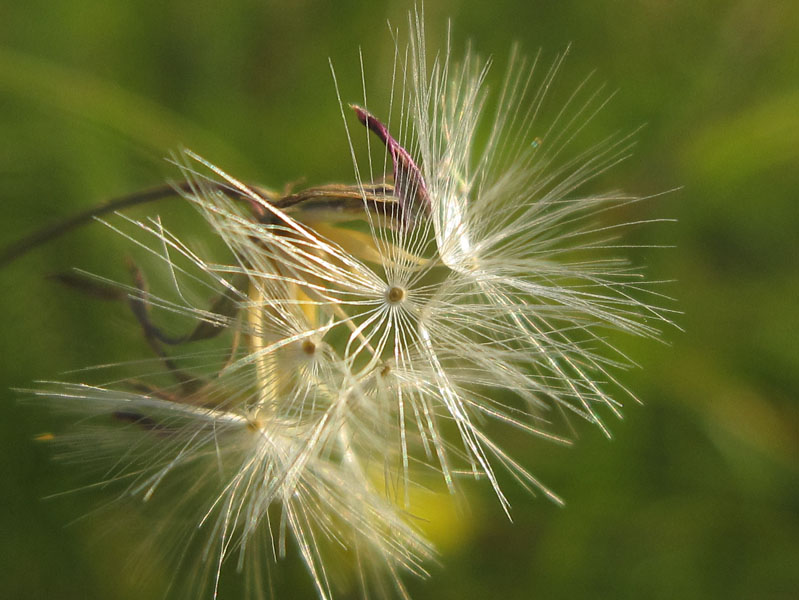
(367, 338)
(508, 283)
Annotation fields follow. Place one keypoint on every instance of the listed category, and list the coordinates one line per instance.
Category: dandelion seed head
(477, 286)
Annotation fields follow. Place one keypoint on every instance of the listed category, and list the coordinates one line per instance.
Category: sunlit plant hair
(509, 279)
(365, 336)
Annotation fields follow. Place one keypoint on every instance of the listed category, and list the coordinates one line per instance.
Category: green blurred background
(697, 495)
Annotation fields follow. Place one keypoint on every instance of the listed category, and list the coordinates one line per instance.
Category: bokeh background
(697, 495)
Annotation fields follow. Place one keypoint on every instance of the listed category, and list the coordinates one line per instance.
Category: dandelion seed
(505, 304)
(355, 358)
